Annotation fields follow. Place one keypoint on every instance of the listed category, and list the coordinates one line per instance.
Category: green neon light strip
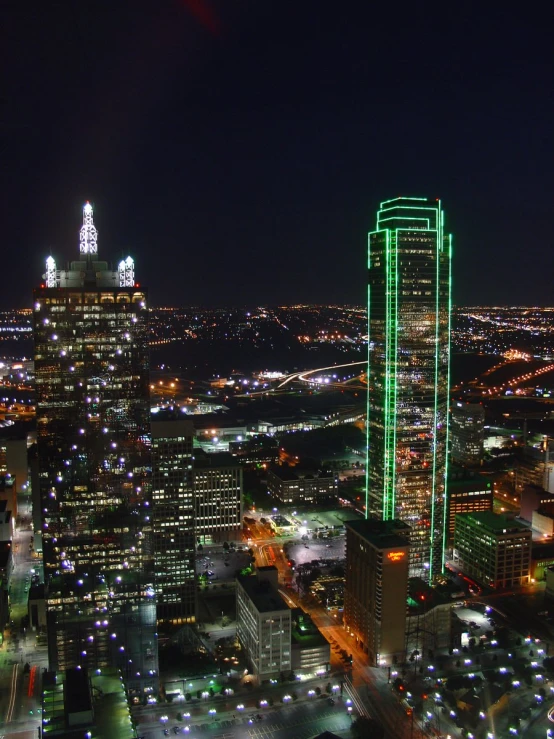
(396, 218)
(408, 207)
(391, 338)
(397, 200)
(368, 381)
(445, 512)
(439, 248)
(392, 511)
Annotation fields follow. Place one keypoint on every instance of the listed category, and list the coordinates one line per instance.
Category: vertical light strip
(438, 248)
(447, 450)
(368, 379)
(387, 376)
(394, 362)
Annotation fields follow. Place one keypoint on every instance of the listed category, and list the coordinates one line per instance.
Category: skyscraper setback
(93, 429)
(409, 305)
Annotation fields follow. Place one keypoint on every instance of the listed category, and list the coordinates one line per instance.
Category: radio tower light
(88, 236)
(50, 272)
(127, 272)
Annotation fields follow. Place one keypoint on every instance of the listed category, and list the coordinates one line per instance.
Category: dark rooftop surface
(203, 460)
(381, 534)
(263, 596)
(496, 522)
(77, 695)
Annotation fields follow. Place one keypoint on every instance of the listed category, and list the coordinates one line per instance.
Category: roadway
(20, 691)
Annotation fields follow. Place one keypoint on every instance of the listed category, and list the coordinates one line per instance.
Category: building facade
(535, 466)
(493, 549)
(409, 301)
(466, 494)
(376, 587)
(217, 484)
(173, 519)
(264, 624)
(297, 488)
(467, 433)
(94, 462)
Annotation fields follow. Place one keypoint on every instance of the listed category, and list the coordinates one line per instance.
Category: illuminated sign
(396, 556)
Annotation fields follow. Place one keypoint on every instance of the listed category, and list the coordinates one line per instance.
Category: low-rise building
(467, 492)
(549, 577)
(542, 557)
(7, 522)
(290, 485)
(37, 608)
(492, 548)
(76, 703)
(264, 624)
(534, 465)
(311, 652)
(376, 587)
(535, 498)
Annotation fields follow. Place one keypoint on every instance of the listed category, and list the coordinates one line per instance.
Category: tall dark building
(409, 294)
(173, 518)
(93, 429)
(467, 433)
(376, 587)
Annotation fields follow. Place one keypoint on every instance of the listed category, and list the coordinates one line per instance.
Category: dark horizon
(239, 153)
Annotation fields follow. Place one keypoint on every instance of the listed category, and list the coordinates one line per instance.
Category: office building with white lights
(173, 518)
(94, 465)
(217, 485)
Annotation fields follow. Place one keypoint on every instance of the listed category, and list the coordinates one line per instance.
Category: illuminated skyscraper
(409, 294)
(173, 517)
(93, 429)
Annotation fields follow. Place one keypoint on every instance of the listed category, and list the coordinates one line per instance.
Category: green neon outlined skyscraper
(409, 307)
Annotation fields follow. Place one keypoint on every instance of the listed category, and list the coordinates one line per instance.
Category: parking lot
(306, 551)
(219, 566)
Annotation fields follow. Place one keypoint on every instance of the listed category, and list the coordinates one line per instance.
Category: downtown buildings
(409, 308)
(94, 465)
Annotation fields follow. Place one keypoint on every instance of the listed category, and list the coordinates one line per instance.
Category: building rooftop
(111, 718)
(36, 592)
(477, 483)
(264, 597)
(541, 550)
(304, 633)
(496, 522)
(381, 534)
(203, 460)
(5, 553)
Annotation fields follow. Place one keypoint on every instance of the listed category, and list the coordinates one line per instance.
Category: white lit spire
(88, 237)
(50, 272)
(127, 272)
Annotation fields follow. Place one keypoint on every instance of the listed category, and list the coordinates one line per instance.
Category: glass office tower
(93, 433)
(409, 302)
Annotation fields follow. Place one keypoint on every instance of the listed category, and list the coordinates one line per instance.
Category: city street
(20, 695)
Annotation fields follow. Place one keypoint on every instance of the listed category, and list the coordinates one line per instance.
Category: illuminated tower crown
(88, 236)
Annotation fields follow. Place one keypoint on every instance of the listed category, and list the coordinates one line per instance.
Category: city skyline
(254, 144)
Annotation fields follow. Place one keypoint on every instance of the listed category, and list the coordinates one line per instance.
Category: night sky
(238, 149)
